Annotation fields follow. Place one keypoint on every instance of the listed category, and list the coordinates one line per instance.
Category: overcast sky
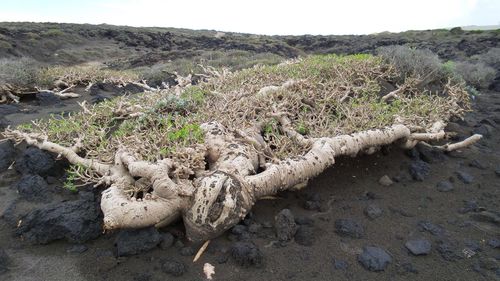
(262, 16)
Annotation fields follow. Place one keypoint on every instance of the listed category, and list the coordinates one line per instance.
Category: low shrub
(19, 72)
(478, 74)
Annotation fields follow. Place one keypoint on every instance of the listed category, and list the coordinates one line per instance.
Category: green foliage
(53, 32)
(71, 177)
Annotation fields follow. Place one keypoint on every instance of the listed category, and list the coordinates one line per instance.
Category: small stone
(312, 205)
(494, 243)
(174, 268)
(469, 206)
(418, 246)
(349, 228)
(304, 221)
(167, 240)
(385, 181)
(77, 249)
(431, 228)
(340, 264)
(246, 254)
(285, 225)
(304, 235)
(444, 186)
(419, 170)
(464, 177)
(238, 229)
(135, 241)
(478, 164)
(255, 228)
(408, 267)
(447, 251)
(187, 251)
(374, 258)
(430, 154)
(373, 211)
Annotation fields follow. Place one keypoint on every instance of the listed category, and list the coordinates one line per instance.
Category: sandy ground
(462, 240)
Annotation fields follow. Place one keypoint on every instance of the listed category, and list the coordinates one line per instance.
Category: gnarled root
(143, 193)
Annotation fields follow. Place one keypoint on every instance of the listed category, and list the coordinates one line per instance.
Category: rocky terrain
(394, 215)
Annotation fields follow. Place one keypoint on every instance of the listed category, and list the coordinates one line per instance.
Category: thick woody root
(143, 194)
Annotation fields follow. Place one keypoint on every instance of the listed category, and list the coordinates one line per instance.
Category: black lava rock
(374, 258)
(34, 161)
(430, 154)
(373, 211)
(246, 254)
(465, 177)
(444, 186)
(484, 130)
(238, 229)
(304, 235)
(494, 243)
(187, 251)
(77, 249)
(135, 241)
(76, 221)
(167, 240)
(7, 154)
(349, 228)
(254, 228)
(469, 206)
(33, 188)
(431, 228)
(174, 268)
(285, 225)
(419, 170)
(340, 264)
(304, 221)
(478, 164)
(45, 99)
(447, 251)
(4, 261)
(418, 246)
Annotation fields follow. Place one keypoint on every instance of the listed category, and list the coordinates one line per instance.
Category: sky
(292, 17)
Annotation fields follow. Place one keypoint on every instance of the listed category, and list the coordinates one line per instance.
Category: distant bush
(490, 58)
(19, 72)
(422, 63)
(234, 60)
(478, 74)
(53, 32)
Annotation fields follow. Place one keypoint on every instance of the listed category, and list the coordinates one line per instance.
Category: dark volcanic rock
(45, 99)
(430, 154)
(340, 264)
(418, 246)
(373, 211)
(478, 164)
(167, 240)
(34, 161)
(484, 130)
(444, 186)
(33, 188)
(431, 228)
(187, 251)
(304, 221)
(447, 251)
(76, 221)
(494, 243)
(4, 261)
(135, 241)
(238, 229)
(304, 235)
(246, 254)
(172, 267)
(469, 206)
(464, 177)
(7, 154)
(349, 227)
(419, 170)
(285, 225)
(374, 258)
(77, 249)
